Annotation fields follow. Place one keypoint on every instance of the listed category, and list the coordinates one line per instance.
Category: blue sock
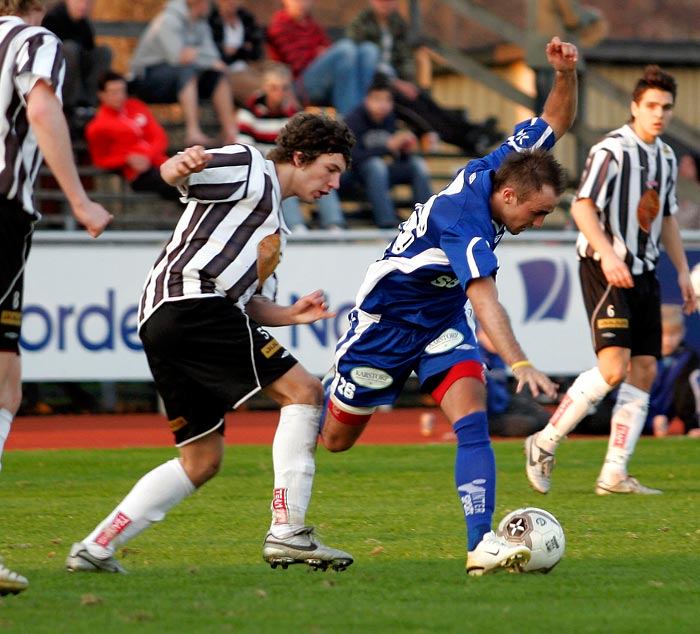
(475, 475)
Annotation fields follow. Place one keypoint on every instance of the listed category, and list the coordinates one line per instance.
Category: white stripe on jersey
(381, 268)
(233, 204)
(619, 169)
(27, 54)
(471, 260)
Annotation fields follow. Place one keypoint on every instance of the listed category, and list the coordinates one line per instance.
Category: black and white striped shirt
(27, 54)
(619, 169)
(233, 205)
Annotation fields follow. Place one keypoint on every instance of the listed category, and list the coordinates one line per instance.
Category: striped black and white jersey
(27, 54)
(619, 170)
(229, 238)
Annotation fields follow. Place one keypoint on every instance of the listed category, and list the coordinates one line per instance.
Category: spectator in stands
(176, 61)
(325, 73)
(240, 39)
(509, 413)
(384, 155)
(688, 191)
(85, 61)
(126, 136)
(261, 120)
(382, 24)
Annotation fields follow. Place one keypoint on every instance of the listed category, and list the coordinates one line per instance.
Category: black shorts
(206, 357)
(16, 227)
(624, 317)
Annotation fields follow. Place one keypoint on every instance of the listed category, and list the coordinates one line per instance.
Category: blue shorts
(374, 359)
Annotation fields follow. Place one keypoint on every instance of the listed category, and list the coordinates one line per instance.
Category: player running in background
(410, 310)
(32, 124)
(201, 321)
(625, 206)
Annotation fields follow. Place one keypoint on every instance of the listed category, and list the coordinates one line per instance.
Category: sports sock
(580, 399)
(475, 475)
(293, 458)
(626, 424)
(147, 502)
(5, 424)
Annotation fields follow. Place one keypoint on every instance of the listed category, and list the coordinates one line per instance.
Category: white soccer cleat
(304, 547)
(628, 484)
(10, 581)
(80, 560)
(493, 553)
(538, 465)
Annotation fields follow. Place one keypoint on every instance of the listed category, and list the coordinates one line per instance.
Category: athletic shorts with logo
(374, 359)
(16, 227)
(207, 357)
(624, 317)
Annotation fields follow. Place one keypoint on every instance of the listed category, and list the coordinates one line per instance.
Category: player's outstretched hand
(562, 56)
(93, 216)
(310, 308)
(538, 382)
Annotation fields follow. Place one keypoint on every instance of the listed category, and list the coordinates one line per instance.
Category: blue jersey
(422, 278)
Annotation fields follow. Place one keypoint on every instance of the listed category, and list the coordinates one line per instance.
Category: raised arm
(560, 107)
(177, 169)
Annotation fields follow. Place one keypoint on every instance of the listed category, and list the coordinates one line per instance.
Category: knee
(346, 50)
(335, 443)
(11, 397)
(202, 470)
(614, 375)
(375, 167)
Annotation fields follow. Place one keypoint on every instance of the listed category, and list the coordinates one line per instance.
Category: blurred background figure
(176, 61)
(382, 24)
(384, 156)
(85, 61)
(260, 121)
(125, 136)
(240, 39)
(688, 192)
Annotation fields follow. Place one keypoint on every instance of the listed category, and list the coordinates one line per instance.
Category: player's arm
(492, 317)
(177, 169)
(305, 310)
(45, 116)
(585, 215)
(671, 239)
(560, 107)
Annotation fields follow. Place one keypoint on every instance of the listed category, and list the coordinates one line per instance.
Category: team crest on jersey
(448, 340)
(10, 318)
(371, 378)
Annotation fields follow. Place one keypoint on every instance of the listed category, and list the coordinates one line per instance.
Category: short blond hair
(672, 317)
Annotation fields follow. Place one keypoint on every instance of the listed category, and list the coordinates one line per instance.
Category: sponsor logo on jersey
(371, 378)
(270, 348)
(10, 318)
(616, 323)
(547, 289)
(448, 340)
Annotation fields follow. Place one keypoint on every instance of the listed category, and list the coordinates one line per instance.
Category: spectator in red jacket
(125, 136)
(326, 73)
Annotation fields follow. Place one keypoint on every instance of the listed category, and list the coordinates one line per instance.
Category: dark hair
(527, 172)
(654, 77)
(312, 135)
(106, 77)
(380, 82)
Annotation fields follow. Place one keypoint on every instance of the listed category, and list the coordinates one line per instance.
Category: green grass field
(632, 564)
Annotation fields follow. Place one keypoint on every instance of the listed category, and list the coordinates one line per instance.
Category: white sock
(147, 502)
(293, 458)
(628, 418)
(580, 399)
(5, 424)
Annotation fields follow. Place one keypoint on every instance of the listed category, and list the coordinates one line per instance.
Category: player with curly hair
(202, 317)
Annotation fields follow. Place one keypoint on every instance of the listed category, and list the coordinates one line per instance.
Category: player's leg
(609, 314)
(461, 395)
(632, 404)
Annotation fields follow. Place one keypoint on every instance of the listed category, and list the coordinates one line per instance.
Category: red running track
(399, 426)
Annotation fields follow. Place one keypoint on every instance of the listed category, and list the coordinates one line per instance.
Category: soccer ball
(695, 279)
(540, 531)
